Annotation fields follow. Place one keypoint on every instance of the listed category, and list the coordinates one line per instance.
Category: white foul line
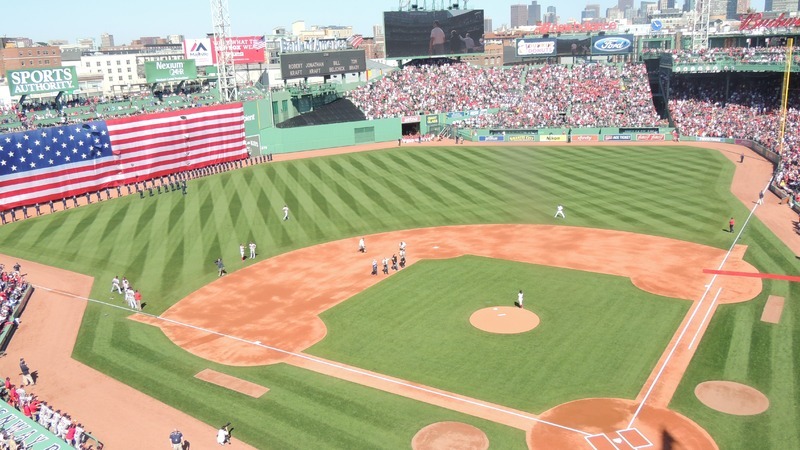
(323, 362)
(705, 317)
(689, 322)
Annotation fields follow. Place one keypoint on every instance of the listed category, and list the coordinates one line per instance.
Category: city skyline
(248, 17)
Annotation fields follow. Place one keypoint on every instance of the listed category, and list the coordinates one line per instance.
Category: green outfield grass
(599, 335)
(166, 245)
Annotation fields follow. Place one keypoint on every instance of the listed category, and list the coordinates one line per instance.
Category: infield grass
(166, 244)
(599, 336)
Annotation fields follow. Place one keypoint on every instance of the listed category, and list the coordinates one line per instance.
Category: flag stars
(66, 159)
(10, 154)
(30, 151)
(47, 148)
(60, 132)
(63, 145)
(33, 165)
(50, 161)
(37, 142)
(25, 136)
(96, 140)
(80, 143)
(103, 132)
(41, 156)
(19, 144)
(83, 155)
(55, 140)
(22, 159)
(58, 153)
(8, 140)
(105, 145)
(13, 168)
(44, 134)
(3, 162)
(75, 150)
(94, 127)
(71, 137)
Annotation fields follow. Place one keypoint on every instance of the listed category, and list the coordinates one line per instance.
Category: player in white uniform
(241, 251)
(560, 212)
(252, 250)
(519, 300)
(362, 246)
(130, 298)
(115, 284)
(285, 212)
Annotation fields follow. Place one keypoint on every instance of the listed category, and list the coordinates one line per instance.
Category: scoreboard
(304, 65)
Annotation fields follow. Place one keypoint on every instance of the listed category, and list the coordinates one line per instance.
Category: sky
(58, 19)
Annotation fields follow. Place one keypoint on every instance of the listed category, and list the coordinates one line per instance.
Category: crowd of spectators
(12, 288)
(751, 55)
(583, 95)
(700, 107)
(27, 116)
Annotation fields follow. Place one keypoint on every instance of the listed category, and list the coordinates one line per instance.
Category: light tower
(226, 70)
(700, 18)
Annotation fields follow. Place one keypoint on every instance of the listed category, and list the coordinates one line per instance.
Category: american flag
(355, 40)
(55, 162)
(260, 43)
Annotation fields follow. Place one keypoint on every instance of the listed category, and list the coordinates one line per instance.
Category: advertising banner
(253, 144)
(521, 138)
(711, 139)
(528, 47)
(304, 65)
(617, 137)
(612, 45)
(200, 51)
(411, 34)
(38, 81)
(649, 137)
(554, 138)
(409, 119)
(170, 70)
(585, 138)
(432, 119)
(651, 130)
(245, 50)
(491, 138)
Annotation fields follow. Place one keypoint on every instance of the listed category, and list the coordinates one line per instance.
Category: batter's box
(634, 438)
(603, 442)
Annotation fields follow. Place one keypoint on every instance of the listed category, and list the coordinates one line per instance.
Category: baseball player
(285, 212)
(241, 251)
(125, 284)
(386, 266)
(115, 284)
(519, 299)
(374, 267)
(252, 250)
(130, 298)
(560, 212)
(362, 246)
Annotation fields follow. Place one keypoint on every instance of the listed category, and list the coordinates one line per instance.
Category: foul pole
(785, 93)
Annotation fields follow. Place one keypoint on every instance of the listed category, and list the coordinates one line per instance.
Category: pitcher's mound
(450, 435)
(504, 320)
(732, 398)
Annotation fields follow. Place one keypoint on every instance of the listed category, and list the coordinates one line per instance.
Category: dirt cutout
(450, 436)
(773, 309)
(504, 320)
(732, 398)
(607, 419)
(235, 384)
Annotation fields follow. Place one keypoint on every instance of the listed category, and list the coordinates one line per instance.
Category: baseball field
(352, 360)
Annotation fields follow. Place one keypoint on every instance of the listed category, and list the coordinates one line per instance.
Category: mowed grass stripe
(522, 183)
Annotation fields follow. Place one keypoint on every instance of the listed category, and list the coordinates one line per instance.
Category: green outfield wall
(285, 140)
